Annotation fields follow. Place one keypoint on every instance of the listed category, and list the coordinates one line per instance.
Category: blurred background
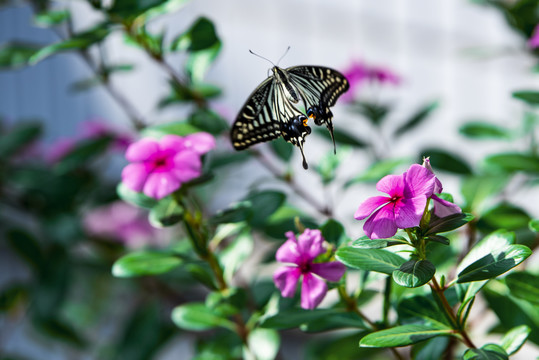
(456, 60)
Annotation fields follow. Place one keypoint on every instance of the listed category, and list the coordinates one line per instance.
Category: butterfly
(271, 109)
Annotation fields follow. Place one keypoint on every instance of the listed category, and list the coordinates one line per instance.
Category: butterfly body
(270, 111)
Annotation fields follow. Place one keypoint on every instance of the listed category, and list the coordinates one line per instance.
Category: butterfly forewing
(257, 121)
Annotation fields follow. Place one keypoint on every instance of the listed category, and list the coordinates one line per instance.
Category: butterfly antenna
(260, 56)
(286, 52)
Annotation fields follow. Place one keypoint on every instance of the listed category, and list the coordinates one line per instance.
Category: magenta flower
(300, 253)
(160, 167)
(442, 208)
(358, 73)
(533, 42)
(403, 208)
(121, 222)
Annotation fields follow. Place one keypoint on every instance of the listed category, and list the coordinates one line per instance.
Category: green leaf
(524, 285)
(198, 317)
(341, 137)
(135, 198)
(235, 254)
(16, 54)
(84, 152)
(515, 338)
(227, 302)
(197, 65)
(264, 343)
(421, 308)
(378, 170)
(167, 212)
(145, 262)
(534, 225)
(221, 159)
(60, 330)
(201, 35)
(237, 212)
(328, 165)
(512, 162)
(370, 259)
(447, 223)
(50, 18)
(416, 119)
(476, 189)
(365, 243)
(374, 112)
(333, 232)
(263, 204)
(79, 41)
(484, 130)
(209, 121)
(504, 216)
(19, 138)
(282, 149)
(414, 273)
(338, 320)
(446, 161)
(294, 318)
(493, 242)
(403, 335)
(180, 128)
(531, 97)
(27, 247)
(487, 352)
(495, 263)
(430, 349)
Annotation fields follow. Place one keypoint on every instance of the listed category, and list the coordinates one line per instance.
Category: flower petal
(310, 244)
(419, 181)
(443, 208)
(288, 252)
(159, 185)
(200, 143)
(172, 142)
(332, 271)
(368, 206)
(187, 166)
(313, 290)
(381, 224)
(141, 150)
(391, 184)
(134, 176)
(286, 279)
(408, 212)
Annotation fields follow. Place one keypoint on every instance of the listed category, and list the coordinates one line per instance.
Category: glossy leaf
(365, 243)
(512, 162)
(495, 263)
(504, 216)
(369, 259)
(487, 352)
(446, 161)
(524, 285)
(263, 204)
(448, 223)
(167, 212)
(421, 308)
(515, 338)
(145, 262)
(430, 349)
(333, 232)
(414, 273)
(198, 317)
(282, 149)
(534, 225)
(209, 121)
(235, 254)
(135, 198)
(15, 54)
(493, 242)
(416, 119)
(50, 18)
(484, 130)
(264, 343)
(403, 335)
(531, 97)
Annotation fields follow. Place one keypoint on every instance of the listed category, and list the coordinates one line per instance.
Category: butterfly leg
(295, 131)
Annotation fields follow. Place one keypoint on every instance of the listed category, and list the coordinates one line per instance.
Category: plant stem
(449, 311)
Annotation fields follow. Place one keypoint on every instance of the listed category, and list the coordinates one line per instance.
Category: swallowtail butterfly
(271, 110)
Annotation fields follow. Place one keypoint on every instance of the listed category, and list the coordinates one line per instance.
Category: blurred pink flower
(404, 208)
(533, 42)
(442, 208)
(122, 222)
(301, 253)
(59, 149)
(358, 73)
(159, 167)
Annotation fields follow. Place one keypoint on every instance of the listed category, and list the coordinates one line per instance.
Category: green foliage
(403, 335)
(145, 262)
(414, 273)
(484, 130)
(377, 260)
(14, 55)
(446, 161)
(416, 119)
(198, 317)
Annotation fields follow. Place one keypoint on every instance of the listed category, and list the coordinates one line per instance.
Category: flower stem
(450, 313)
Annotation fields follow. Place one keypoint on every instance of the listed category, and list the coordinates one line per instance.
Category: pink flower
(160, 167)
(358, 73)
(122, 222)
(300, 253)
(60, 149)
(404, 208)
(442, 208)
(533, 42)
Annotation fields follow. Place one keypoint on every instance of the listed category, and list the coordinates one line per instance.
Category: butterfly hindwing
(319, 88)
(256, 121)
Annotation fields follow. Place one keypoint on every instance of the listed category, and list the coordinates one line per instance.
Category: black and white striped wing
(256, 121)
(319, 88)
